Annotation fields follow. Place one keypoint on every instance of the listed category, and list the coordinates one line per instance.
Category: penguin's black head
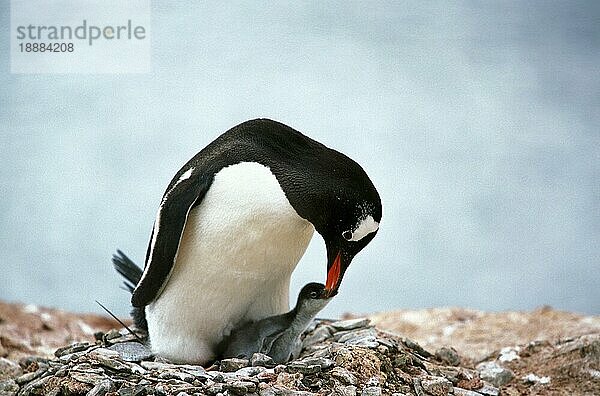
(353, 221)
(312, 298)
(312, 291)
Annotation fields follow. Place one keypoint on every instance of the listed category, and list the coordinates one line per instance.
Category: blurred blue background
(477, 121)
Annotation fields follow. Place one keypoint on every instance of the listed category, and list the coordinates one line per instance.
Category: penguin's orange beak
(334, 276)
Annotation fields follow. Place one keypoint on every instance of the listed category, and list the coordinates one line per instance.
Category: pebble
(102, 388)
(488, 390)
(349, 390)
(319, 335)
(242, 387)
(28, 377)
(301, 367)
(8, 387)
(249, 371)
(367, 342)
(351, 324)
(448, 356)
(233, 364)
(343, 375)
(534, 379)
(178, 375)
(508, 354)
(344, 336)
(417, 386)
(416, 347)
(260, 359)
(214, 389)
(371, 391)
(77, 347)
(438, 386)
(112, 334)
(109, 361)
(9, 369)
(32, 386)
(465, 392)
(494, 373)
(324, 363)
(132, 351)
(87, 378)
(157, 365)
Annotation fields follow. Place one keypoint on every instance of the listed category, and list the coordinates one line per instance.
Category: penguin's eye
(347, 235)
(313, 294)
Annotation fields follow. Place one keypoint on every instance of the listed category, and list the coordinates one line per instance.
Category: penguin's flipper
(180, 198)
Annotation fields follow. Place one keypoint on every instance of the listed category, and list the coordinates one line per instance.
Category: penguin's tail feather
(132, 274)
(128, 270)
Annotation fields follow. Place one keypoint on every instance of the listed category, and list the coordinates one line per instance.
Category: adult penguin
(232, 226)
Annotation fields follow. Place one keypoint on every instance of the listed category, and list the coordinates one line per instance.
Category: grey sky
(477, 121)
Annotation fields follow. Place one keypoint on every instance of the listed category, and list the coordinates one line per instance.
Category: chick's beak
(334, 276)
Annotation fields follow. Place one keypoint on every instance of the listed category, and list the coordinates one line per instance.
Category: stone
(9, 369)
(71, 356)
(178, 375)
(304, 368)
(249, 371)
(436, 386)
(343, 375)
(215, 388)
(233, 364)
(448, 356)
(373, 381)
(534, 379)
(281, 391)
(488, 390)
(112, 334)
(157, 366)
(350, 324)
(349, 390)
(110, 362)
(371, 391)
(416, 347)
(34, 386)
(324, 363)
(418, 388)
(494, 373)
(8, 387)
(241, 387)
(28, 377)
(87, 378)
(508, 354)
(132, 351)
(260, 359)
(77, 347)
(465, 392)
(344, 336)
(102, 388)
(320, 334)
(365, 341)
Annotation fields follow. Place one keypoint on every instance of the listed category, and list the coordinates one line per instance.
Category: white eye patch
(364, 228)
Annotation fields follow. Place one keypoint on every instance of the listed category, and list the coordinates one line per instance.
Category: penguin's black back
(312, 175)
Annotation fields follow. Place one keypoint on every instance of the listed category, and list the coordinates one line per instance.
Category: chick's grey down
(233, 224)
(279, 336)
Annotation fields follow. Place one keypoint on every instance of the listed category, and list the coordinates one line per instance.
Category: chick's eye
(313, 294)
(347, 235)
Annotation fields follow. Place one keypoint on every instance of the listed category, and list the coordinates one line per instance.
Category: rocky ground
(49, 352)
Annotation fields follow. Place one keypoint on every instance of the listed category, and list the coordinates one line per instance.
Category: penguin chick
(279, 336)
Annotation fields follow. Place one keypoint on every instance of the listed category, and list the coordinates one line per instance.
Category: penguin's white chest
(234, 263)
